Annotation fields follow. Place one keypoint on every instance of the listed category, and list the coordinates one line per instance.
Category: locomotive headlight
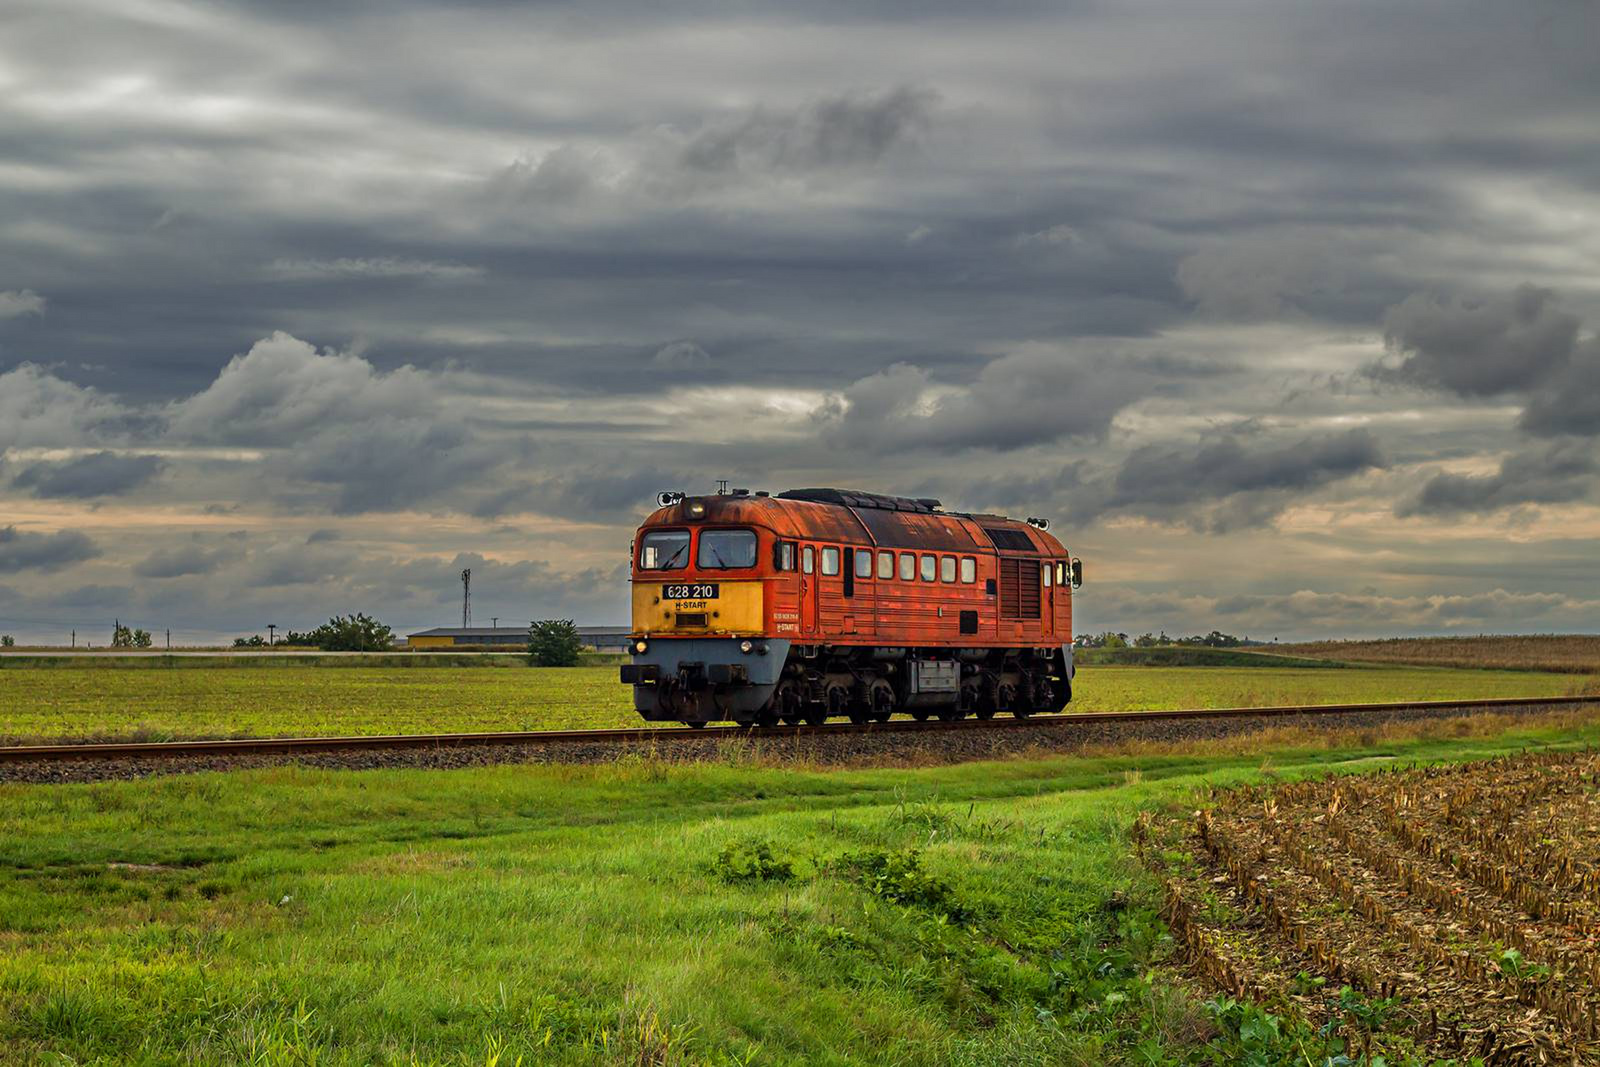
(747, 646)
(641, 646)
(697, 509)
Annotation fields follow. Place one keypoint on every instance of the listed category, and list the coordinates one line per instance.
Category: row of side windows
(930, 568)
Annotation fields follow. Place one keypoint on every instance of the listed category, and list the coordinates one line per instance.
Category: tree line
(1110, 639)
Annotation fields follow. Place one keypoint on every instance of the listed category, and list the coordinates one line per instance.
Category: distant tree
(554, 643)
(7, 641)
(141, 639)
(121, 636)
(1111, 640)
(253, 641)
(295, 637)
(356, 633)
(1145, 640)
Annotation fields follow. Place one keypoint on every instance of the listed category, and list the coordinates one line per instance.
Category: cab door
(1047, 598)
(809, 588)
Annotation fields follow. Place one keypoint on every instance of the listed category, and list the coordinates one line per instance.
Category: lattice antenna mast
(466, 598)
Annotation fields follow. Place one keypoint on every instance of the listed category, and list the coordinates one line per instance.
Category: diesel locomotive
(821, 603)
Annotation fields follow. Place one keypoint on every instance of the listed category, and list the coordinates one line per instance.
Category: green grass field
(99, 702)
(634, 913)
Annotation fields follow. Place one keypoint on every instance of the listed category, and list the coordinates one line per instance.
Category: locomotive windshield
(664, 550)
(727, 549)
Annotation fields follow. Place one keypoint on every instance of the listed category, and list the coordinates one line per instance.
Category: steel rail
(675, 734)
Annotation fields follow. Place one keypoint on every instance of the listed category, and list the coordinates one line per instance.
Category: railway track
(291, 746)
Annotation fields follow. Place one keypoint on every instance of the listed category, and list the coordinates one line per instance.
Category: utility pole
(494, 621)
(272, 634)
(74, 637)
(169, 639)
(466, 598)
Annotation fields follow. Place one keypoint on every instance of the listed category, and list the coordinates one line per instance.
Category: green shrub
(898, 876)
(554, 643)
(752, 860)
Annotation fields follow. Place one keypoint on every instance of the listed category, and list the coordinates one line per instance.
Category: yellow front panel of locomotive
(739, 608)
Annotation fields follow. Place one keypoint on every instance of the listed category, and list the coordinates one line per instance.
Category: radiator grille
(691, 618)
(1019, 588)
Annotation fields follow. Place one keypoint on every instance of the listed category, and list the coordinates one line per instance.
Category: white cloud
(18, 302)
(379, 267)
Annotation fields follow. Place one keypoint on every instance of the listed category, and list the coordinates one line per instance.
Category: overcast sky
(1283, 312)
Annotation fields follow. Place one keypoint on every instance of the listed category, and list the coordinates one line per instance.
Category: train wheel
(816, 718)
(882, 695)
(951, 715)
(746, 723)
(767, 718)
(696, 725)
(920, 714)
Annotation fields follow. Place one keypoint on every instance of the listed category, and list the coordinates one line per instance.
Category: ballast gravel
(867, 748)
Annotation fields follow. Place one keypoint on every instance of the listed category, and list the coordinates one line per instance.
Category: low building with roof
(511, 638)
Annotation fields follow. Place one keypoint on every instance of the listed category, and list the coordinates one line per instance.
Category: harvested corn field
(1454, 907)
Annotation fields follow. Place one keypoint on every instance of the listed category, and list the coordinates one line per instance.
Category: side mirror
(1077, 573)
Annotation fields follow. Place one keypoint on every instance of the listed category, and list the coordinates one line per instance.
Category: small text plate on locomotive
(691, 591)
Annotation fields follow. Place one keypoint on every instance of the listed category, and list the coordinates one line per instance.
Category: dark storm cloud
(1250, 480)
(95, 475)
(24, 550)
(183, 561)
(1481, 347)
(1554, 474)
(1569, 402)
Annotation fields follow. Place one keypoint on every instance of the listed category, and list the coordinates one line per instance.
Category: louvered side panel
(1029, 593)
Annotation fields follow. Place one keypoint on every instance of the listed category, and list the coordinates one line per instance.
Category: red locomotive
(826, 602)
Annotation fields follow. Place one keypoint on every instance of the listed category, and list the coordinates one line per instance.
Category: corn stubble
(1467, 897)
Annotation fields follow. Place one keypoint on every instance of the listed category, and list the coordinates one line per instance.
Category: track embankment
(896, 741)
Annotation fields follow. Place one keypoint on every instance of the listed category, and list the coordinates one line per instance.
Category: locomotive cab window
(885, 565)
(664, 550)
(863, 563)
(808, 559)
(830, 561)
(908, 566)
(1047, 570)
(727, 550)
(783, 555)
(1061, 574)
(947, 568)
(930, 568)
(969, 570)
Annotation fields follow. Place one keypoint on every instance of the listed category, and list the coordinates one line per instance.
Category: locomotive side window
(908, 566)
(930, 568)
(830, 560)
(885, 565)
(969, 569)
(1061, 574)
(863, 563)
(808, 559)
(947, 568)
(664, 550)
(1047, 570)
(726, 550)
(783, 558)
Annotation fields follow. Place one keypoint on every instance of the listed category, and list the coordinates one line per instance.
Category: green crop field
(106, 702)
(636, 913)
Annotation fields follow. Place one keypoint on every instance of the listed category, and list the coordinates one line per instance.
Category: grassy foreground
(99, 702)
(637, 913)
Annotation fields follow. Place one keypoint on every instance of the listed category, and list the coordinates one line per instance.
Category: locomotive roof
(851, 516)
